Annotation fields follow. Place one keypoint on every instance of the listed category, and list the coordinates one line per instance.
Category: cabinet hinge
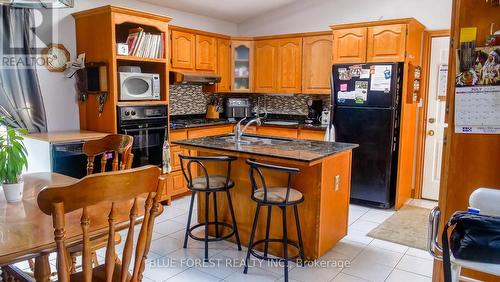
(171, 60)
(452, 40)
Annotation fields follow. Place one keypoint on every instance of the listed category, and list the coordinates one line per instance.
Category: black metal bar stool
(209, 184)
(281, 197)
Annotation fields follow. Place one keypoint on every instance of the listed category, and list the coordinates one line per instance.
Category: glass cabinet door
(242, 67)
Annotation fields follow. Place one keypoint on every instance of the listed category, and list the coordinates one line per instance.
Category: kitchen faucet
(238, 132)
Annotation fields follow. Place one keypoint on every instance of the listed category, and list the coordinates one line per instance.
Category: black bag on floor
(475, 237)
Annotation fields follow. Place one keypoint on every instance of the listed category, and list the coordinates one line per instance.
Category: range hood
(179, 77)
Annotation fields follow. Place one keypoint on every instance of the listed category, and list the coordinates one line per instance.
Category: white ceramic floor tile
(389, 246)
(356, 208)
(193, 275)
(368, 270)
(416, 265)
(400, 275)
(254, 274)
(165, 245)
(321, 271)
(363, 225)
(419, 253)
(377, 216)
(197, 255)
(342, 277)
(378, 255)
(161, 270)
(169, 212)
(358, 236)
(233, 253)
(348, 248)
(168, 227)
(183, 218)
(225, 266)
(183, 202)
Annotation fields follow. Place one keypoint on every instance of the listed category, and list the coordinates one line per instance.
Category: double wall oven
(148, 124)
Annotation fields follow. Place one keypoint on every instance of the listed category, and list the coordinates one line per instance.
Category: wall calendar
(477, 110)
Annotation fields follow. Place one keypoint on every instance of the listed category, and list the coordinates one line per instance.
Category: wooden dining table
(26, 232)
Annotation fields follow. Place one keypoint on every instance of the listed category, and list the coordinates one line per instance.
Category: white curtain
(20, 95)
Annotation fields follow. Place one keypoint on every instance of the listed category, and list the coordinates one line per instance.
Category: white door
(435, 118)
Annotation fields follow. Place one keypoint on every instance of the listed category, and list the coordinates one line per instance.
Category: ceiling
(229, 10)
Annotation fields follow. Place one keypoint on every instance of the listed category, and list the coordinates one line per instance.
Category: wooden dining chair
(113, 145)
(109, 188)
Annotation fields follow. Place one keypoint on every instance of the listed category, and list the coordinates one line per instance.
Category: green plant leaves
(13, 153)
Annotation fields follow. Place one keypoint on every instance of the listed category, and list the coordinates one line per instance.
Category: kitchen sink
(251, 140)
(279, 122)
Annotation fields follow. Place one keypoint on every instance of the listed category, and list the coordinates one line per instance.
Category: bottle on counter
(167, 166)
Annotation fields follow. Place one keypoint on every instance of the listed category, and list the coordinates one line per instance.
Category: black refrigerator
(366, 101)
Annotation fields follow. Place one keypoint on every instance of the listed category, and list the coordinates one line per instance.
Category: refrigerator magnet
(365, 74)
(343, 87)
(344, 74)
(355, 70)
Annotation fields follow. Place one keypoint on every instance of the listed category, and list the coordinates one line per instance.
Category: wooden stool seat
(214, 181)
(277, 195)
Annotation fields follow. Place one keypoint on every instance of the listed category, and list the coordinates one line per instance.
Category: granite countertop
(281, 148)
(194, 121)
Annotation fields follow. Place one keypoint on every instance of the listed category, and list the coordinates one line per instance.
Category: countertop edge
(310, 161)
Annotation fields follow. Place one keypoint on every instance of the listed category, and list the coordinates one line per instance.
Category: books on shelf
(145, 44)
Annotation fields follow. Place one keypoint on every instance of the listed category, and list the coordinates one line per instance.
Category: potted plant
(13, 158)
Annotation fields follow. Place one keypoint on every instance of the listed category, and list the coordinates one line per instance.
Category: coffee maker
(314, 111)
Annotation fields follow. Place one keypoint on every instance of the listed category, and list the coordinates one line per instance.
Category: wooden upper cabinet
(316, 64)
(206, 56)
(242, 66)
(349, 45)
(289, 65)
(266, 73)
(224, 64)
(183, 50)
(386, 43)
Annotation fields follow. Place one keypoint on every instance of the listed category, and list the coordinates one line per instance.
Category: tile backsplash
(190, 99)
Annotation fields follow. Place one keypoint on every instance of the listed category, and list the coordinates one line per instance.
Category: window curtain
(20, 95)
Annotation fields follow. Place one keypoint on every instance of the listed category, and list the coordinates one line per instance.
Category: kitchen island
(324, 180)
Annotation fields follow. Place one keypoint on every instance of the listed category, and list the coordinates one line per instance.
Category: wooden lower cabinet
(209, 131)
(176, 183)
(175, 151)
(277, 131)
(311, 134)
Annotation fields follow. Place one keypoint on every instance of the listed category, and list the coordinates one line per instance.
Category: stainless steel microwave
(139, 86)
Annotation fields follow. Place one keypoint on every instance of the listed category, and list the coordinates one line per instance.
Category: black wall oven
(148, 124)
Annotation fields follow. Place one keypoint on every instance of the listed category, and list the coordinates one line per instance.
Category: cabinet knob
(431, 133)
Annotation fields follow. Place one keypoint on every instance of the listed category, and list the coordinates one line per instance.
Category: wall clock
(56, 56)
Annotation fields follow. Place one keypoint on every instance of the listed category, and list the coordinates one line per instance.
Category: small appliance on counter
(137, 86)
(314, 112)
(238, 108)
(325, 118)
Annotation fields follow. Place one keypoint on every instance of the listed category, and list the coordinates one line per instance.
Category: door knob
(432, 120)
(431, 133)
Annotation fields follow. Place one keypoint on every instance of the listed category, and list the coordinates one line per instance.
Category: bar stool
(209, 184)
(281, 197)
